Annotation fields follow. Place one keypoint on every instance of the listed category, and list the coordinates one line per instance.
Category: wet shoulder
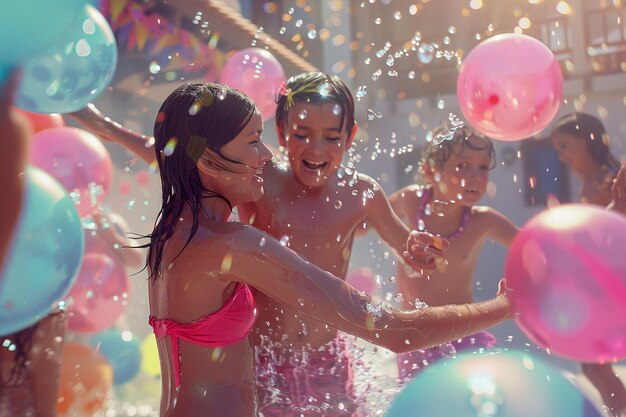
(487, 216)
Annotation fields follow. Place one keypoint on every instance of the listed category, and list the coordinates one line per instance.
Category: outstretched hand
(425, 252)
(618, 191)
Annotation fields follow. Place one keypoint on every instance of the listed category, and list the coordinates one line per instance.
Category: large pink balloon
(566, 272)
(258, 74)
(78, 160)
(99, 295)
(510, 87)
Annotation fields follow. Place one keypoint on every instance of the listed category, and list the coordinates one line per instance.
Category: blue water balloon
(121, 350)
(29, 26)
(72, 72)
(490, 384)
(45, 254)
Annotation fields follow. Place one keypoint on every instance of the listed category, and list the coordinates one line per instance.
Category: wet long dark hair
(590, 129)
(194, 117)
(21, 343)
(316, 88)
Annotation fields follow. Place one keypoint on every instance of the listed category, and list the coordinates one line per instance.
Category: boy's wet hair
(590, 129)
(437, 152)
(316, 88)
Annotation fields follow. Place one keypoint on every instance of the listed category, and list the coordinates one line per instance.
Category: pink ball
(510, 87)
(258, 74)
(363, 279)
(78, 160)
(99, 295)
(566, 272)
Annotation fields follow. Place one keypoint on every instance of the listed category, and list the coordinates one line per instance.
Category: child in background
(453, 176)
(583, 145)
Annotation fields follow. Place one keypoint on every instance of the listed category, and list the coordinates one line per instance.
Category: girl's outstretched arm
(253, 257)
(105, 128)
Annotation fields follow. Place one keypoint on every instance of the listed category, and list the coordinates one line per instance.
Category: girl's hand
(502, 296)
(618, 191)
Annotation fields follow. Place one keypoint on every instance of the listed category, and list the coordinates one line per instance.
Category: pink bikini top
(230, 324)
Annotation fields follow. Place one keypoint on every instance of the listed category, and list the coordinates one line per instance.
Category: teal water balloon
(29, 26)
(73, 71)
(121, 350)
(490, 384)
(45, 254)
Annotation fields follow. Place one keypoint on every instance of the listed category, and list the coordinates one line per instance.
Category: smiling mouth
(314, 166)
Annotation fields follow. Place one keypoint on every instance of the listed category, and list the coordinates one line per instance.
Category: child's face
(314, 142)
(464, 176)
(572, 151)
(239, 182)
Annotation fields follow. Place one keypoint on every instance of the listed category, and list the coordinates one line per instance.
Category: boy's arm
(501, 229)
(105, 128)
(385, 221)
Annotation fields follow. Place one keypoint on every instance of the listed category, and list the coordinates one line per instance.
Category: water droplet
(284, 241)
(154, 67)
(302, 114)
(426, 53)
(338, 204)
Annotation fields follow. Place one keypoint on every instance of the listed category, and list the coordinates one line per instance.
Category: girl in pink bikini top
(230, 324)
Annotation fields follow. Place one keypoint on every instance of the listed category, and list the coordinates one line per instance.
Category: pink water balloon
(99, 295)
(78, 160)
(258, 74)
(510, 87)
(566, 272)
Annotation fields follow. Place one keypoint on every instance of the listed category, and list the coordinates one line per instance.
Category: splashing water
(454, 124)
